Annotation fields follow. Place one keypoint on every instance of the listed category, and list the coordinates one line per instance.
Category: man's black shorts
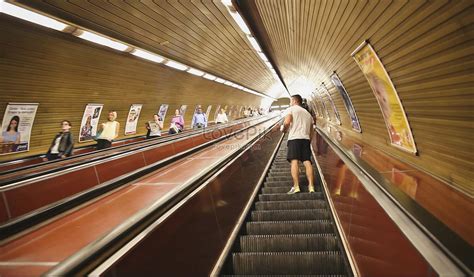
(299, 149)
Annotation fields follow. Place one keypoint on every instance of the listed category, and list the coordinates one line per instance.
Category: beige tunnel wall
(431, 67)
(64, 73)
(426, 48)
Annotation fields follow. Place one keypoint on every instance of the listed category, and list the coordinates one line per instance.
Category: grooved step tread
(288, 205)
(289, 227)
(290, 215)
(288, 243)
(319, 262)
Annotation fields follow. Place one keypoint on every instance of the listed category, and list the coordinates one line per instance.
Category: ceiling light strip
(52, 23)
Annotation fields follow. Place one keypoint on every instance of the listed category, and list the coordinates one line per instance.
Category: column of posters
(323, 105)
(16, 127)
(347, 102)
(331, 101)
(182, 110)
(89, 122)
(132, 119)
(392, 110)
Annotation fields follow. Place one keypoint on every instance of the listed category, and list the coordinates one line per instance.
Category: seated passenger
(199, 119)
(108, 131)
(221, 117)
(62, 144)
(154, 127)
(177, 123)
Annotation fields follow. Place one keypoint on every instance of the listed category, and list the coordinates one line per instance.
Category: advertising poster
(323, 105)
(90, 121)
(16, 127)
(208, 111)
(132, 119)
(313, 107)
(241, 111)
(217, 111)
(347, 102)
(392, 110)
(325, 90)
(162, 112)
(182, 110)
(231, 109)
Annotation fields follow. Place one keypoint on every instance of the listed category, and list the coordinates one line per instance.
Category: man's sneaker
(311, 189)
(294, 190)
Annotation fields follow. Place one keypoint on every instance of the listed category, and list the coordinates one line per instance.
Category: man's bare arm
(287, 122)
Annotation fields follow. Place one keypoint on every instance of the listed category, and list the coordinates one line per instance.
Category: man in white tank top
(299, 124)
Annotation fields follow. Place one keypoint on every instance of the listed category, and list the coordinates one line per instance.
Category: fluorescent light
(262, 56)
(31, 16)
(273, 71)
(234, 85)
(176, 65)
(240, 21)
(147, 56)
(195, 72)
(209, 76)
(102, 41)
(268, 64)
(254, 44)
(219, 80)
(228, 83)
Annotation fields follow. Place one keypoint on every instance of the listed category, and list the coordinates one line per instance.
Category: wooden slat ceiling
(198, 33)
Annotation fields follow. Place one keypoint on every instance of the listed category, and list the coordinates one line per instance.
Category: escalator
(287, 234)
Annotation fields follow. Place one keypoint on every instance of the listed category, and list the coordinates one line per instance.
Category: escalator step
(285, 189)
(288, 215)
(288, 183)
(287, 197)
(288, 243)
(288, 205)
(292, 275)
(289, 227)
(283, 178)
(288, 263)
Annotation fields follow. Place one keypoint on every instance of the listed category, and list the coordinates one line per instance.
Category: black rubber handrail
(28, 220)
(96, 252)
(137, 146)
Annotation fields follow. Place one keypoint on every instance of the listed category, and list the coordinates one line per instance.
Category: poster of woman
(162, 112)
(208, 111)
(347, 102)
(132, 119)
(182, 110)
(16, 127)
(387, 97)
(89, 122)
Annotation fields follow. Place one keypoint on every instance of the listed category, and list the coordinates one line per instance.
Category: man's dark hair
(297, 98)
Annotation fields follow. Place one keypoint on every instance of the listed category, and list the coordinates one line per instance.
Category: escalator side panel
(190, 240)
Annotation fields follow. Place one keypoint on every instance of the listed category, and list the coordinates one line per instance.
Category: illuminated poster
(162, 113)
(323, 105)
(182, 110)
(208, 111)
(16, 127)
(132, 119)
(217, 111)
(336, 113)
(231, 109)
(347, 102)
(392, 110)
(89, 122)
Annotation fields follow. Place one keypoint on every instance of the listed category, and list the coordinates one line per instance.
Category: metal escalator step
(288, 205)
(288, 243)
(292, 275)
(284, 178)
(288, 183)
(324, 262)
(284, 189)
(289, 227)
(287, 197)
(288, 215)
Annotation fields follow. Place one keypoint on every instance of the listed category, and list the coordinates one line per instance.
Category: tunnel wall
(64, 73)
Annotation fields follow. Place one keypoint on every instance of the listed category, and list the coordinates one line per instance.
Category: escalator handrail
(444, 259)
(28, 220)
(88, 257)
(148, 144)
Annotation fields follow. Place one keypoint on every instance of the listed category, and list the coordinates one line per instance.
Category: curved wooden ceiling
(200, 34)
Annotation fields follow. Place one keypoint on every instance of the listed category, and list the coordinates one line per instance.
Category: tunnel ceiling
(200, 34)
